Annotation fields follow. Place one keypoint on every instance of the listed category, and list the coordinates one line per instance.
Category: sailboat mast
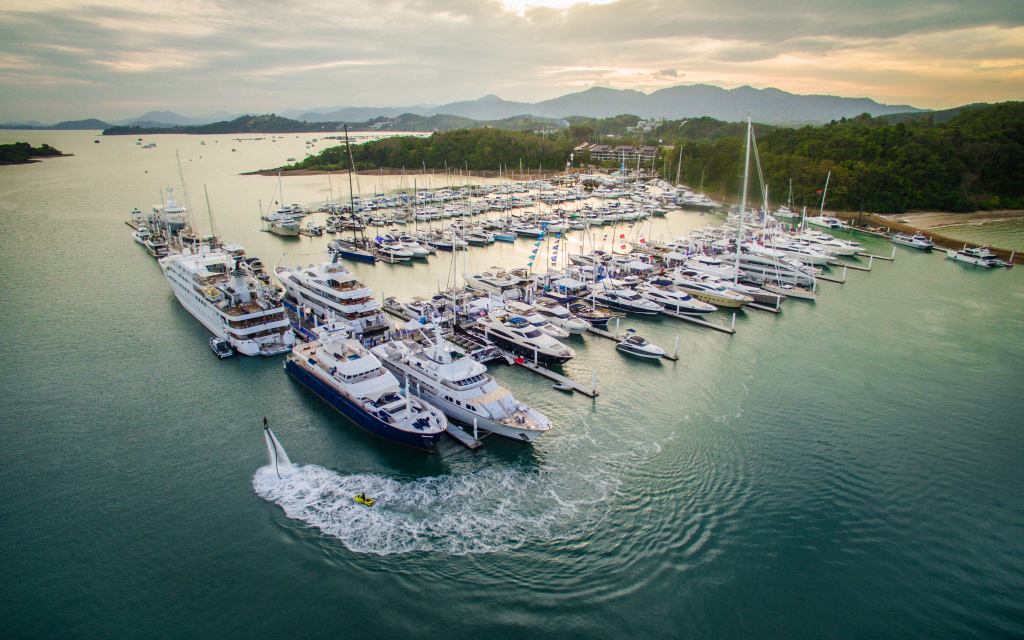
(351, 195)
(825, 192)
(209, 212)
(743, 203)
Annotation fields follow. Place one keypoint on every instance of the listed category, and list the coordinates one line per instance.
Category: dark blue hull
(365, 421)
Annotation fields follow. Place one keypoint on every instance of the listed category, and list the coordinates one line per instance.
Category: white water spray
(275, 452)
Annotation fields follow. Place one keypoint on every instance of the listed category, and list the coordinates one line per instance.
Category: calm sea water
(849, 468)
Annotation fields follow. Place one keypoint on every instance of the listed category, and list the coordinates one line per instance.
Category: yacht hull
(356, 414)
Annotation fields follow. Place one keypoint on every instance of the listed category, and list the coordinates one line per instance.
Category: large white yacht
(979, 256)
(673, 298)
(507, 284)
(707, 288)
(461, 388)
(352, 380)
(334, 293)
(536, 319)
(215, 287)
(623, 299)
(515, 334)
(558, 314)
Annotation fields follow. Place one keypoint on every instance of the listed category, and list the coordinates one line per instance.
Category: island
(24, 153)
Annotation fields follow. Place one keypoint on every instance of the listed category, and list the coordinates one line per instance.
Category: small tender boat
(221, 347)
(637, 346)
(362, 499)
(562, 386)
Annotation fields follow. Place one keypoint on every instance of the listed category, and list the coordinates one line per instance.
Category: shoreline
(385, 171)
(941, 219)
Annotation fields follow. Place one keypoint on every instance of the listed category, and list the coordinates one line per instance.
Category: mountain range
(769, 106)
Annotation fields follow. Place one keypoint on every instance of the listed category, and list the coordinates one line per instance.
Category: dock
(396, 313)
(762, 307)
(830, 278)
(875, 257)
(845, 265)
(463, 438)
(551, 375)
(704, 323)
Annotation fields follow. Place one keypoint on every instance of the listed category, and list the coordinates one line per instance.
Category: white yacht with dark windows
(623, 299)
(461, 388)
(230, 301)
(334, 293)
(507, 284)
(674, 299)
(515, 334)
(351, 379)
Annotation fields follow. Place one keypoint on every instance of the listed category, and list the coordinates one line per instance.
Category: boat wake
(484, 511)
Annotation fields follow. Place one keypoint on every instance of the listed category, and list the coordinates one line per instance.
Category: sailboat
(350, 248)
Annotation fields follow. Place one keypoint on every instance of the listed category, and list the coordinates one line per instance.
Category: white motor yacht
(827, 222)
(673, 298)
(707, 288)
(915, 242)
(636, 346)
(536, 319)
(334, 293)
(622, 299)
(560, 315)
(979, 256)
(515, 334)
(830, 243)
(461, 388)
(215, 288)
(507, 284)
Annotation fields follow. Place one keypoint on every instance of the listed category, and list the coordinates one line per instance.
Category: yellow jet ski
(362, 499)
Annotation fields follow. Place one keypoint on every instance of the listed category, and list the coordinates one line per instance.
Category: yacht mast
(743, 203)
(351, 196)
(825, 192)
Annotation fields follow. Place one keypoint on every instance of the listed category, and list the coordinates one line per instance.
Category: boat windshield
(533, 333)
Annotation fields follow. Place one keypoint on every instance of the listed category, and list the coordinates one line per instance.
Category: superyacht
(215, 287)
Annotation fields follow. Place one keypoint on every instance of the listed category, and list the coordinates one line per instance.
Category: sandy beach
(938, 219)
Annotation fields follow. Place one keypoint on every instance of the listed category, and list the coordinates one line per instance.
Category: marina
(779, 471)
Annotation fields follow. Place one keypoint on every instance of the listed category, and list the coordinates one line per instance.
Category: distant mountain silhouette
(772, 106)
(171, 119)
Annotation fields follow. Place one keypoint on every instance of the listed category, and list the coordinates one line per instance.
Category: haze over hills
(769, 106)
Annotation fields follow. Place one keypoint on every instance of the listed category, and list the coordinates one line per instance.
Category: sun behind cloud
(519, 6)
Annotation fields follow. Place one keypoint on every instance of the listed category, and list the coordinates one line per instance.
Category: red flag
(819, 192)
(642, 241)
(622, 236)
(623, 247)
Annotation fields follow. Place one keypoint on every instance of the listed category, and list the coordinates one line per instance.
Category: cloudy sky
(64, 59)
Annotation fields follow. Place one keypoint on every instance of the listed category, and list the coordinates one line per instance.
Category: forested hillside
(975, 160)
(475, 149)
